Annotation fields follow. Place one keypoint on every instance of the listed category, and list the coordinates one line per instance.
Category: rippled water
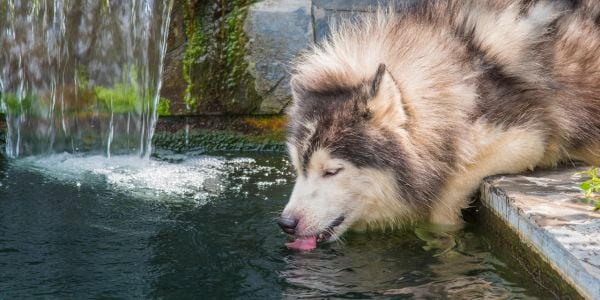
(203, 227)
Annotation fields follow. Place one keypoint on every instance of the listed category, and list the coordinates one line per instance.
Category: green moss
(2, 135)
(122, 98)
(195, 49)
(214, 63)
(215, 140)
(15, 104)
(164, 107)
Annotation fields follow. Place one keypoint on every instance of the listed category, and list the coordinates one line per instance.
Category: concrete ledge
(544, 210)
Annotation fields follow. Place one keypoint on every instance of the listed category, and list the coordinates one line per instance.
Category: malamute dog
(397, 117)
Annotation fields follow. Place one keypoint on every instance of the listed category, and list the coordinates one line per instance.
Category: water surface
(192, 226)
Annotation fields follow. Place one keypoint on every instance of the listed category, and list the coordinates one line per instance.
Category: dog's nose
(288, 225)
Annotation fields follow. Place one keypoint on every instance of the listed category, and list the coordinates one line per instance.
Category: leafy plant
(591, 187)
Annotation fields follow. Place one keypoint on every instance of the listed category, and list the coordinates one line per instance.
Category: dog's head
(350, 148)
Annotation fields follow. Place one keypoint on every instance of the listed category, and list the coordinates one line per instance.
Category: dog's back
(540, 64)
(576, 77)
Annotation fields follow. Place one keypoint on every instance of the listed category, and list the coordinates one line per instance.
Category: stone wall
(233, 56)
(206, 71)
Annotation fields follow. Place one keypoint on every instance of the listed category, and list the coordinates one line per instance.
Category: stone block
(278, 31)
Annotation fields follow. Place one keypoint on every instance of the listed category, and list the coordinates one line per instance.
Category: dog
(399, 115)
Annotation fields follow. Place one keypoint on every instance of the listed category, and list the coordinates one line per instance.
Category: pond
(195, 226)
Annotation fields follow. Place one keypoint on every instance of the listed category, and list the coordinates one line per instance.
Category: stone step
(545, 210)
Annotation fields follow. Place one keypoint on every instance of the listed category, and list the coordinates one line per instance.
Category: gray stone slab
(278, 31)
(358, 5)
(545, 210)
(327, 12)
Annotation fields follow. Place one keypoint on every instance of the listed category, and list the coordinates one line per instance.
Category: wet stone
(546, 211)
(278, 31)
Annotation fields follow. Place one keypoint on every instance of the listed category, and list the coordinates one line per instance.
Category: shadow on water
(86, 235)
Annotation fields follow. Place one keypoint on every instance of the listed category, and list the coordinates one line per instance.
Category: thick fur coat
(399, 115)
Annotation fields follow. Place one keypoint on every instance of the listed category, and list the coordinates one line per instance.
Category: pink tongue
(304, 243)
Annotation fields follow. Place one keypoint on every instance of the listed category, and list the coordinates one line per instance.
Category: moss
(215, 140)
(195, 49)
(214, 63)
(14, 104)
(221, 133)
(273, 127)
(164, 107)
(269, 123)
(122, 98)
(2, 135)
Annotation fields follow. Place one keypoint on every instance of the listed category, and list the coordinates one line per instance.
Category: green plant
(591, 187)
(122, 98)
(15, 104)
(164, 107)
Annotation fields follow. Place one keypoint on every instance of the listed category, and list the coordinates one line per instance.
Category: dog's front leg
(498, 151)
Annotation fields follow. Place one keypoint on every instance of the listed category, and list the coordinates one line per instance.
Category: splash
(81, 76)
(196, 178)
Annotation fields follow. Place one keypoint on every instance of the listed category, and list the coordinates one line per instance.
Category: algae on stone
(214, 63)
(164, 107)
(214, 140)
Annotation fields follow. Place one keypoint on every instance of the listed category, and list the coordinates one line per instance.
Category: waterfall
(81, 76)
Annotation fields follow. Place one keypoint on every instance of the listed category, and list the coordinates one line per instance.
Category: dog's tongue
(303, 243)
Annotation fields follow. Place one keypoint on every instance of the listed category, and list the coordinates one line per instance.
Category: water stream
(81, 76)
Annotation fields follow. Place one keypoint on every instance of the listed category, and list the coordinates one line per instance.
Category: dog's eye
(332, 172)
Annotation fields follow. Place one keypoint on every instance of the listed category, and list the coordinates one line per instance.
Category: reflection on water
(76, 227)
(396, 264)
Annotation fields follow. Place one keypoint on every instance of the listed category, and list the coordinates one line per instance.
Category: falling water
(81, 76)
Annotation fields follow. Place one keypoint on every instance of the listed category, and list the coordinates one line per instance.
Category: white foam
(194, 178)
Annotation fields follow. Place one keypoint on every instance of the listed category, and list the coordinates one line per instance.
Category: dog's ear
(386, 105)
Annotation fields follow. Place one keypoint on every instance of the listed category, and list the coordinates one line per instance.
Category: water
(81, 76)
(191, 226)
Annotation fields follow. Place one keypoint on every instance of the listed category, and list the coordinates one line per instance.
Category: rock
(277, 32)
(326, 12)
(257, 78)
(173, 87)
(545, 209)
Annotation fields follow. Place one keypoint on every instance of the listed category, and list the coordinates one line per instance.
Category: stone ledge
(544, 210)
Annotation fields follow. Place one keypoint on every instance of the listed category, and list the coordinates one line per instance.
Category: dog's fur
(399, 115)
